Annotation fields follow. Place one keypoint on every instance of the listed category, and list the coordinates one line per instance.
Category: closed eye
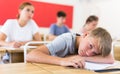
(95, 53)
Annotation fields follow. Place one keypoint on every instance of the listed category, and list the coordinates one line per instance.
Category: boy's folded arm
(42, 55)
(100, 59)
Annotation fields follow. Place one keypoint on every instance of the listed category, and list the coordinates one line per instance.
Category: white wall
(109, 16)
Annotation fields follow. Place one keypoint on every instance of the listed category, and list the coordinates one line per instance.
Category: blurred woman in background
(16, 32)
(90, 24)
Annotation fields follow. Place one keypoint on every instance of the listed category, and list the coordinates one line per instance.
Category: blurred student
(90, 24)
(16, 32)
(59, 27)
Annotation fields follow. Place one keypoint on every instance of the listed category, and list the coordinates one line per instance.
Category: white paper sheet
(97, 66)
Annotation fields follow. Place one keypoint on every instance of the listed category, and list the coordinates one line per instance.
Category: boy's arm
(42, 55)
(99, 59)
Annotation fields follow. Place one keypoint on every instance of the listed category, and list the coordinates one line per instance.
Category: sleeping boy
(93, 47)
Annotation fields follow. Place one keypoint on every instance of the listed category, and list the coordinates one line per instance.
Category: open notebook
(97, 66)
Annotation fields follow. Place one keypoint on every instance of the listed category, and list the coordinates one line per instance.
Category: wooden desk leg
(10, 61)
(16, 57)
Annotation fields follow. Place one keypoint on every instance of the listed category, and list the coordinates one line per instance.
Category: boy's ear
(85, 34)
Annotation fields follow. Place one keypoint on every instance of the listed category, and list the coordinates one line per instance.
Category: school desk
(19, 54)
(67, 70)
(16, 54)
(22, 68)
(33, 68)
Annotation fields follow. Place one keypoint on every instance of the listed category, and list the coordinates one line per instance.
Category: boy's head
(97, 42)
(61, 17)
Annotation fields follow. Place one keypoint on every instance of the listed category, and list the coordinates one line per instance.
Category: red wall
(45, 13)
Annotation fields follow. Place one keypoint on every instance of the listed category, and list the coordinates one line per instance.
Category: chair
(27, 45)
(116, 48)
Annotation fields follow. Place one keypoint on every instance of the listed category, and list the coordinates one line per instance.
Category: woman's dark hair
(61, 14)
(22, 6)
(91, 18)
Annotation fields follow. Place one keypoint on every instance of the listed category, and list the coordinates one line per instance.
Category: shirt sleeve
(52, 29)
(35, 27)
(57, 47)
(6, 28)
(67, 29)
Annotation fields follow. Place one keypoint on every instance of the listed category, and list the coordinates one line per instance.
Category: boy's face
(61, 20)
(88, 46)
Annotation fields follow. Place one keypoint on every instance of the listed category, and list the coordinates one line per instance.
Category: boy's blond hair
(104, 40)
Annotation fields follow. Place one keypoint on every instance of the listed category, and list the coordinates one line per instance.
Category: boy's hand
(76, 61)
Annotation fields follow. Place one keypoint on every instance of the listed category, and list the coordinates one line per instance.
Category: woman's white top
(15, 32)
